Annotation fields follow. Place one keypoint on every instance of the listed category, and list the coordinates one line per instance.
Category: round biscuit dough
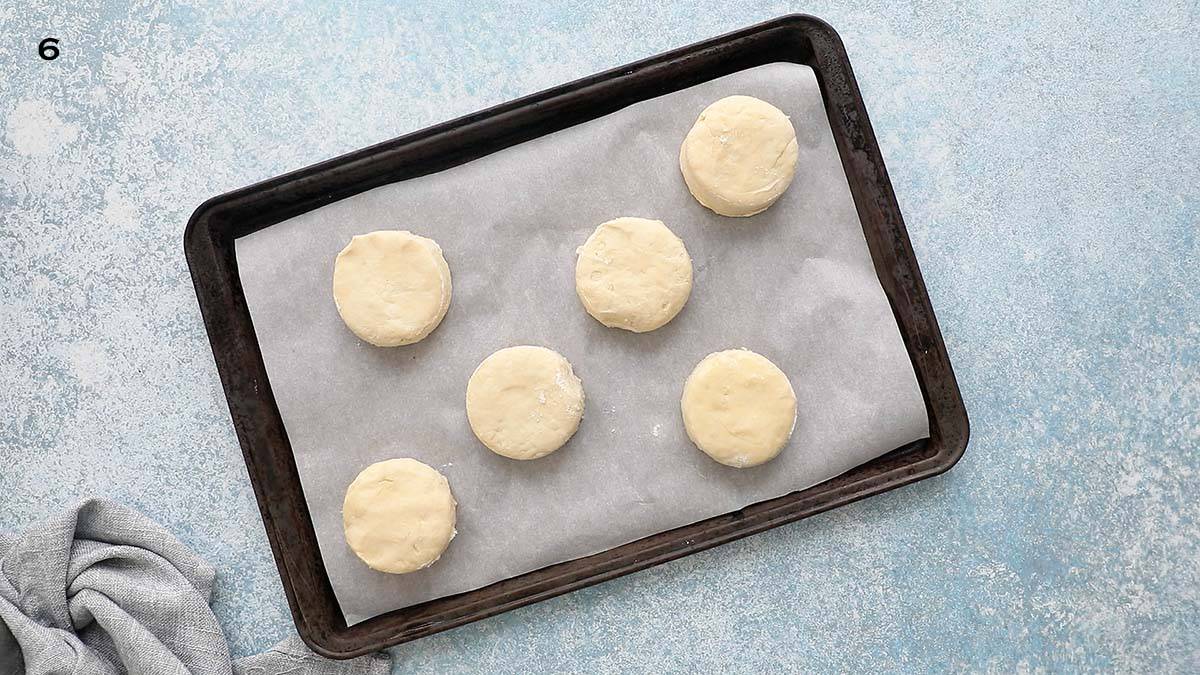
(739, 408)
(524, 402)
(740, 156)
(391, 287)
(398, 515)
(633, 273)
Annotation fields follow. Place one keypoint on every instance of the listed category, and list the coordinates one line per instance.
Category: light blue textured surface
(1046, 160)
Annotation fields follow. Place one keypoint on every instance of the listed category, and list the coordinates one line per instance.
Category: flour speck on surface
(36, 130)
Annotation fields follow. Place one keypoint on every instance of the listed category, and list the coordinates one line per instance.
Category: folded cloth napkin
(103, 589)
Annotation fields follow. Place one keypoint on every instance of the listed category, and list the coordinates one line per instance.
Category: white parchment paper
(795, 284)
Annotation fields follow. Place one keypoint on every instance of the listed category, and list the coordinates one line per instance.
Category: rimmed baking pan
(211, 254)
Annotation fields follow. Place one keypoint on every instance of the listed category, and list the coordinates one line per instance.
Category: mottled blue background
(1044, 154)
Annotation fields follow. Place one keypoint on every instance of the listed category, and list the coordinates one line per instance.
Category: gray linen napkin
(102, 589)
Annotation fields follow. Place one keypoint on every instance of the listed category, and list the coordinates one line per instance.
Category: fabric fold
(101, 588)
